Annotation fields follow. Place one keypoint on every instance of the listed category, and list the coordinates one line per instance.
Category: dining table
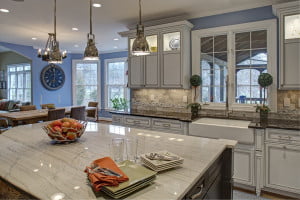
(33, 116)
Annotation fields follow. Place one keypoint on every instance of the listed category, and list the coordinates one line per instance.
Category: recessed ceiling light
(74, 29)
(34, 38)
(4, 10)
(97, 5)
(76, 45)
(115, 47)
(116, 39)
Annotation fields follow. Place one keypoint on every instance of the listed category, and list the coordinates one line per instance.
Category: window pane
(259, 58)
(220, 94)
(20, 68)
(242, 59)
(13, 81)
(243, 77)
(220, 43)
(206, 77)
(12, 94)
(206, 61)
(242, 41)
(243, 94)
(28, 80)
(12, 69)
(254, 76)
(20, 94)
(259, 39)
(114, 92)
(20, 81)
(115, 74)
(207, 44)
(27, 95)
(205, 94)
(27, 67)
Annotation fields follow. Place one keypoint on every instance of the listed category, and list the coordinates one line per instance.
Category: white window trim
(16, 73)
(106, 61)
(74, 62)
(271, 27)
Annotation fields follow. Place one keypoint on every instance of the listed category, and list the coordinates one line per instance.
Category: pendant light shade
(91, 51)
(140, 45)
(51, 53)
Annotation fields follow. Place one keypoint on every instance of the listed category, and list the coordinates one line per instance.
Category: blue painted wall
(61, 97)
(238, 17)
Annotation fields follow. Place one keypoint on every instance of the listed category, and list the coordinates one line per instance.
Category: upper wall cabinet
(289, 32)
(168, 65)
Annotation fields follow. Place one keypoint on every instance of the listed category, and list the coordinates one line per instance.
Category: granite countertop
(158, 114)
(31, 162)
(278, 123)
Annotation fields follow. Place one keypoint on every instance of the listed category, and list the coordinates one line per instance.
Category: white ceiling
(34, 18)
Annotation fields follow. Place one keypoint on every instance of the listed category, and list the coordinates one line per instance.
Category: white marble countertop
(34, 164)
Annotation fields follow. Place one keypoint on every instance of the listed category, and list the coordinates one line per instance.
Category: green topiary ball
(265, 80)
(195, 80)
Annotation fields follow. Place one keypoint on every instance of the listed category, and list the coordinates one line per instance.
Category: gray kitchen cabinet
(282, 167)
(168, 65)
(151, 71)
(171, 71)
(289, 44)
(136, 72)
(243, 172)
(282, 161)
(151, 123)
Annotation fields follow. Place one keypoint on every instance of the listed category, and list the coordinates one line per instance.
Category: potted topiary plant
(264, 80)
(195, 81)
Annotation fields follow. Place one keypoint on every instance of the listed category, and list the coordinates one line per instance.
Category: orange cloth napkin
(98, 180)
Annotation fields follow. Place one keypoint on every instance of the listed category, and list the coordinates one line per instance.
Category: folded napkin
(99, 180)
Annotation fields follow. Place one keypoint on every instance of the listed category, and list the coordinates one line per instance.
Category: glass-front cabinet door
(171, 41)
(292, 27)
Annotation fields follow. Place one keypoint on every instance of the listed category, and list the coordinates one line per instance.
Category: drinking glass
(131, 149)
(117, 149)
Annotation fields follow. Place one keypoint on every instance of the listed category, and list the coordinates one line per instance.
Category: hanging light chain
(91, 28)
(140, 13)
(55, 21)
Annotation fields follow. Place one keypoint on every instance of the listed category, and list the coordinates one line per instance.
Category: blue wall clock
(52, 77)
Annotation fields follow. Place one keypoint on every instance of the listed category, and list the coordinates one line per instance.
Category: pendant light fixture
(51, 53)
(91, 52)
(140, 45)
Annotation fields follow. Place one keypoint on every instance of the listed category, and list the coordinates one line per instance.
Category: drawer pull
(197, 195)
(166, 125)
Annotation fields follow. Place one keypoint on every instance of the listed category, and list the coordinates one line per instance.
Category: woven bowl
(65, 134)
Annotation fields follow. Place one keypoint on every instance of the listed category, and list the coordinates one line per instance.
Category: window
(86, 82)
(116, 80)
(250, 62)
(240, 52)
(213, 68)
(19, 82)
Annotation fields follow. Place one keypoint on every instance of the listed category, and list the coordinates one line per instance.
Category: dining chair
(78, 113)
(92, 115)
(56, 114)
(3, 125)
(48, 105)
(25, 108)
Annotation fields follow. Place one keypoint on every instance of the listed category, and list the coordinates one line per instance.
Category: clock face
(52, 77)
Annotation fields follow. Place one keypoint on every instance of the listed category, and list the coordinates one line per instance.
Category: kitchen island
(32, 166)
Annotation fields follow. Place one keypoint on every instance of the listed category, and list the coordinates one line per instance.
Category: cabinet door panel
(282, 167)
(136, 71)
(292, 64)
(151, 69)
(171, 70)
(243, 166)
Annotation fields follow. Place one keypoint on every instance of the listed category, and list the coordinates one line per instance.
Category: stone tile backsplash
(171, 100)
(161, 100)
(293, 96)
